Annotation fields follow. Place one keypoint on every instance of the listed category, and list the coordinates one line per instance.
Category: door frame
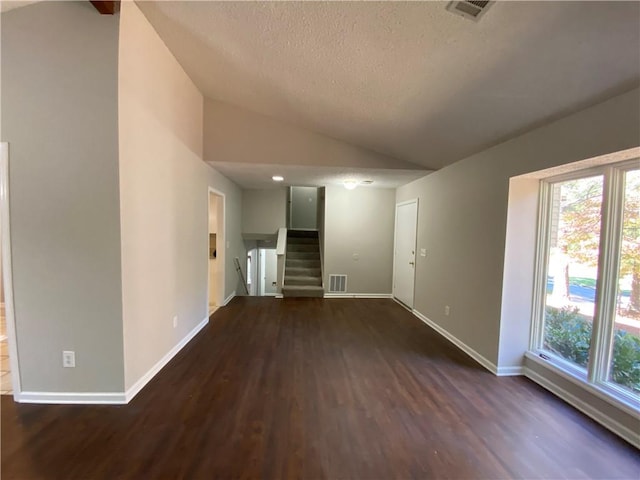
(7, 271)
(220, 253)
(395, 241)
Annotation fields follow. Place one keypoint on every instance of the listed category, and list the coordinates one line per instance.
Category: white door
(404, 262)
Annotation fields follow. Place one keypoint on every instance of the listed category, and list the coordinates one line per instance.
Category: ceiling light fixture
(277, 178)
(350, 184)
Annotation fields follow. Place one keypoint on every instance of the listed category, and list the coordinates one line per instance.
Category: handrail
(281, 246)
(241, 275)
(281, 253)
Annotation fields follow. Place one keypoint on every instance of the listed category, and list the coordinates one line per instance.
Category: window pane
(574, 244)
(625, 363)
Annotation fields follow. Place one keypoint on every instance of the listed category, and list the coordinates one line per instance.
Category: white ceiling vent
(471, 9)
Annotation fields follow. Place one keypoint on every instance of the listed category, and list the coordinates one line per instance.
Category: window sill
(608, 395)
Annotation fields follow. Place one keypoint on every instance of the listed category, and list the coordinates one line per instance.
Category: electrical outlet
(175, 321)
(447, 310)
(356, 256)
(68, 359)
(423, 252)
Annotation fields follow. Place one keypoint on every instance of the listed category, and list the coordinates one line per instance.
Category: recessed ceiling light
(350, 184)
(277, 178)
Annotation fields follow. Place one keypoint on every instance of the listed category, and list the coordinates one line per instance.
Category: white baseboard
(461, 345)
(357, 295)
(229, 298)
(629, 435)
(279, 295)
(108, 398)
(510, 371)
(100, 398)
(142, 381)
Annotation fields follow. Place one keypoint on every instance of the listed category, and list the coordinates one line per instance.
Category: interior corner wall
(164, 195)
(360, 222)
(264, 210)
(60, 117)
(463, 215)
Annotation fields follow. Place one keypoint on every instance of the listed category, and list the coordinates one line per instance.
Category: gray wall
(264, 211)
(462, 223)
(463, 215)
(304, 208)
(236, 135)
(59, 115)
(360, 222)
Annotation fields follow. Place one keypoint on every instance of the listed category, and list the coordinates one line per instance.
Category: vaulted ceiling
(409, 80)
(412, 84)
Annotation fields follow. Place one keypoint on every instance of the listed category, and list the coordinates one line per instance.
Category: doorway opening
(216, 251)
(262, 269)
(10, 376)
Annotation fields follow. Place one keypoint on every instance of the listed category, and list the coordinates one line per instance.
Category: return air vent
(337, 283)
(470, 9)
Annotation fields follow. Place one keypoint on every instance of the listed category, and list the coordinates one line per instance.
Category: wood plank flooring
(313, 389)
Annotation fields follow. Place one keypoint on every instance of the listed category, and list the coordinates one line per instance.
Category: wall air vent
(471, 9)
(337, 283)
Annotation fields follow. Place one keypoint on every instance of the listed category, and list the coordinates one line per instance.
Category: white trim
(281, 245)
(510, 371)
(229, 298)
(7, 270)
(624, 432)
(591, 388)
(461, 345)
(279, 295)
(99, 398)
(407, 202)
(109, 398)
(221, 252)
(357, 295)
(401, 304)
(142, 381)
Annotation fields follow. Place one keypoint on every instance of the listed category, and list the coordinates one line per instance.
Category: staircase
(302, 274)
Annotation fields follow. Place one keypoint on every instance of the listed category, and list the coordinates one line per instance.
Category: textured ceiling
(5, 5)
(407, 79)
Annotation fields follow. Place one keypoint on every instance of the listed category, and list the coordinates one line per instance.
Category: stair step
(302, 241)
(302, 233)
(302, 247)
(302, 280)
(303, 255)
(293, 262)
(302, 272)
(303, 291)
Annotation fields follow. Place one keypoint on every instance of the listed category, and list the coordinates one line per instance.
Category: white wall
(269, 270)
(264, 210)
(463, 215)
(59, 115)
(164, 198)
(360, 222)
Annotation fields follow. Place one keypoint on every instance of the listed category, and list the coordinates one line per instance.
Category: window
(587, 312)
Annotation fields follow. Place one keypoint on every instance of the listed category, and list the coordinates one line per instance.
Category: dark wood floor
(310, 388)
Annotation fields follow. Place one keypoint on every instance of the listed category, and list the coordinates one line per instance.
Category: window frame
(608, 265)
